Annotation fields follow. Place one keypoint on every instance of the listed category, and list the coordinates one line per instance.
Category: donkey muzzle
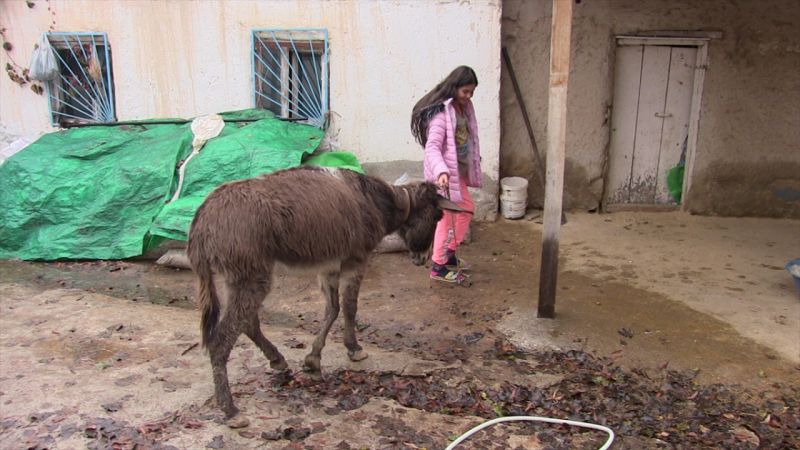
(419, 258)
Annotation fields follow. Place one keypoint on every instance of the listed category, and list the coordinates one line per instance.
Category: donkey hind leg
(219, 349)
(250, 310)
(276, 359)
(350, 308)
(329, 284)
(243, 299)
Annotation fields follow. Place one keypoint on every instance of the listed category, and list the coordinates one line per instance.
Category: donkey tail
(208, 302)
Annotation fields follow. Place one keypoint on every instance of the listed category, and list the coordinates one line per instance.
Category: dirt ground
(676, 331)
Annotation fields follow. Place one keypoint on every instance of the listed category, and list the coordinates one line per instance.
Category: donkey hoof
(312, 364)
(313, 375)
(358, 355)
(237, 421)
(279, 366)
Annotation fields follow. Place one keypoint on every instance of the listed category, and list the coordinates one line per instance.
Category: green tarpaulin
(102, 192)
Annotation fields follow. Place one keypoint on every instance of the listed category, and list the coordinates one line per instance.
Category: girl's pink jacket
(440, 150)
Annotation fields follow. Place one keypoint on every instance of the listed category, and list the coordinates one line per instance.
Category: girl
(444, 123)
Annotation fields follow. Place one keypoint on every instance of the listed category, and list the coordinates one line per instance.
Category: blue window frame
(290, 73)
(84, 90)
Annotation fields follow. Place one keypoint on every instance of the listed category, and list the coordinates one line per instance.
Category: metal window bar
(318, 75)
(76, 95)
(275, 89)
(89, 101)
(304, 104)
(101, 91)
(298, 61)
(282, 79)
(308, 99)
(299, 108)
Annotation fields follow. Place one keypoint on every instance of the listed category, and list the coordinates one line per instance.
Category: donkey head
(425, 211)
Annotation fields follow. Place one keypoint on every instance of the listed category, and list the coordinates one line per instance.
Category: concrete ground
(698, 282)
(100, 353)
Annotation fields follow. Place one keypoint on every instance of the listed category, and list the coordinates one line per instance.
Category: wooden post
(561, 32)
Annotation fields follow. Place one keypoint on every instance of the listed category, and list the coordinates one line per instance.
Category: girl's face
(464, 93)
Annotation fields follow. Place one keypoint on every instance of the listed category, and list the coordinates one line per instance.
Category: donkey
(327, 220)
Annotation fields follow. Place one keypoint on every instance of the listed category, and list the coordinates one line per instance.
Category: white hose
(593, 426)
(181, 173)
(203, 128)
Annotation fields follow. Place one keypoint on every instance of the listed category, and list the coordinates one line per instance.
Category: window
(83, 92)
(290, 73)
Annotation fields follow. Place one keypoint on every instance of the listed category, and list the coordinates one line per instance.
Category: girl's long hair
(432, 103)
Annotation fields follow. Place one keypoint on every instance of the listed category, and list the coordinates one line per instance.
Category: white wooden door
(649, 122)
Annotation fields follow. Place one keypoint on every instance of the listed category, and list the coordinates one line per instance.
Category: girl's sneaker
(456, 264)
(442, 273)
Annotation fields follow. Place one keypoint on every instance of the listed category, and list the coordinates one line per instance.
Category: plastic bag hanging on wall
(44, 66)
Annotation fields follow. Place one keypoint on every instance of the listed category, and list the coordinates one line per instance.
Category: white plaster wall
(187, 58)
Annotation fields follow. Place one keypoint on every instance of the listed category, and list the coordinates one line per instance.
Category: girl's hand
(444, 180)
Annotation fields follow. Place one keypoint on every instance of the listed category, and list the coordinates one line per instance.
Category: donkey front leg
(350, 307)
(329, 284)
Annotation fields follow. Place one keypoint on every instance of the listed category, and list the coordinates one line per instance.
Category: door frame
(700, 41)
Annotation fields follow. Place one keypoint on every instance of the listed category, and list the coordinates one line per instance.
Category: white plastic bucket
(513, 197)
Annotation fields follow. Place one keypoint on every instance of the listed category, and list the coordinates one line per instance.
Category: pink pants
(451, 230)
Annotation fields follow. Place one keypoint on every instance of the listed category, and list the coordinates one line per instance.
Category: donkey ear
(448, 204)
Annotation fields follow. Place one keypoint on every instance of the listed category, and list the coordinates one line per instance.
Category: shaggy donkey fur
(326, 220)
